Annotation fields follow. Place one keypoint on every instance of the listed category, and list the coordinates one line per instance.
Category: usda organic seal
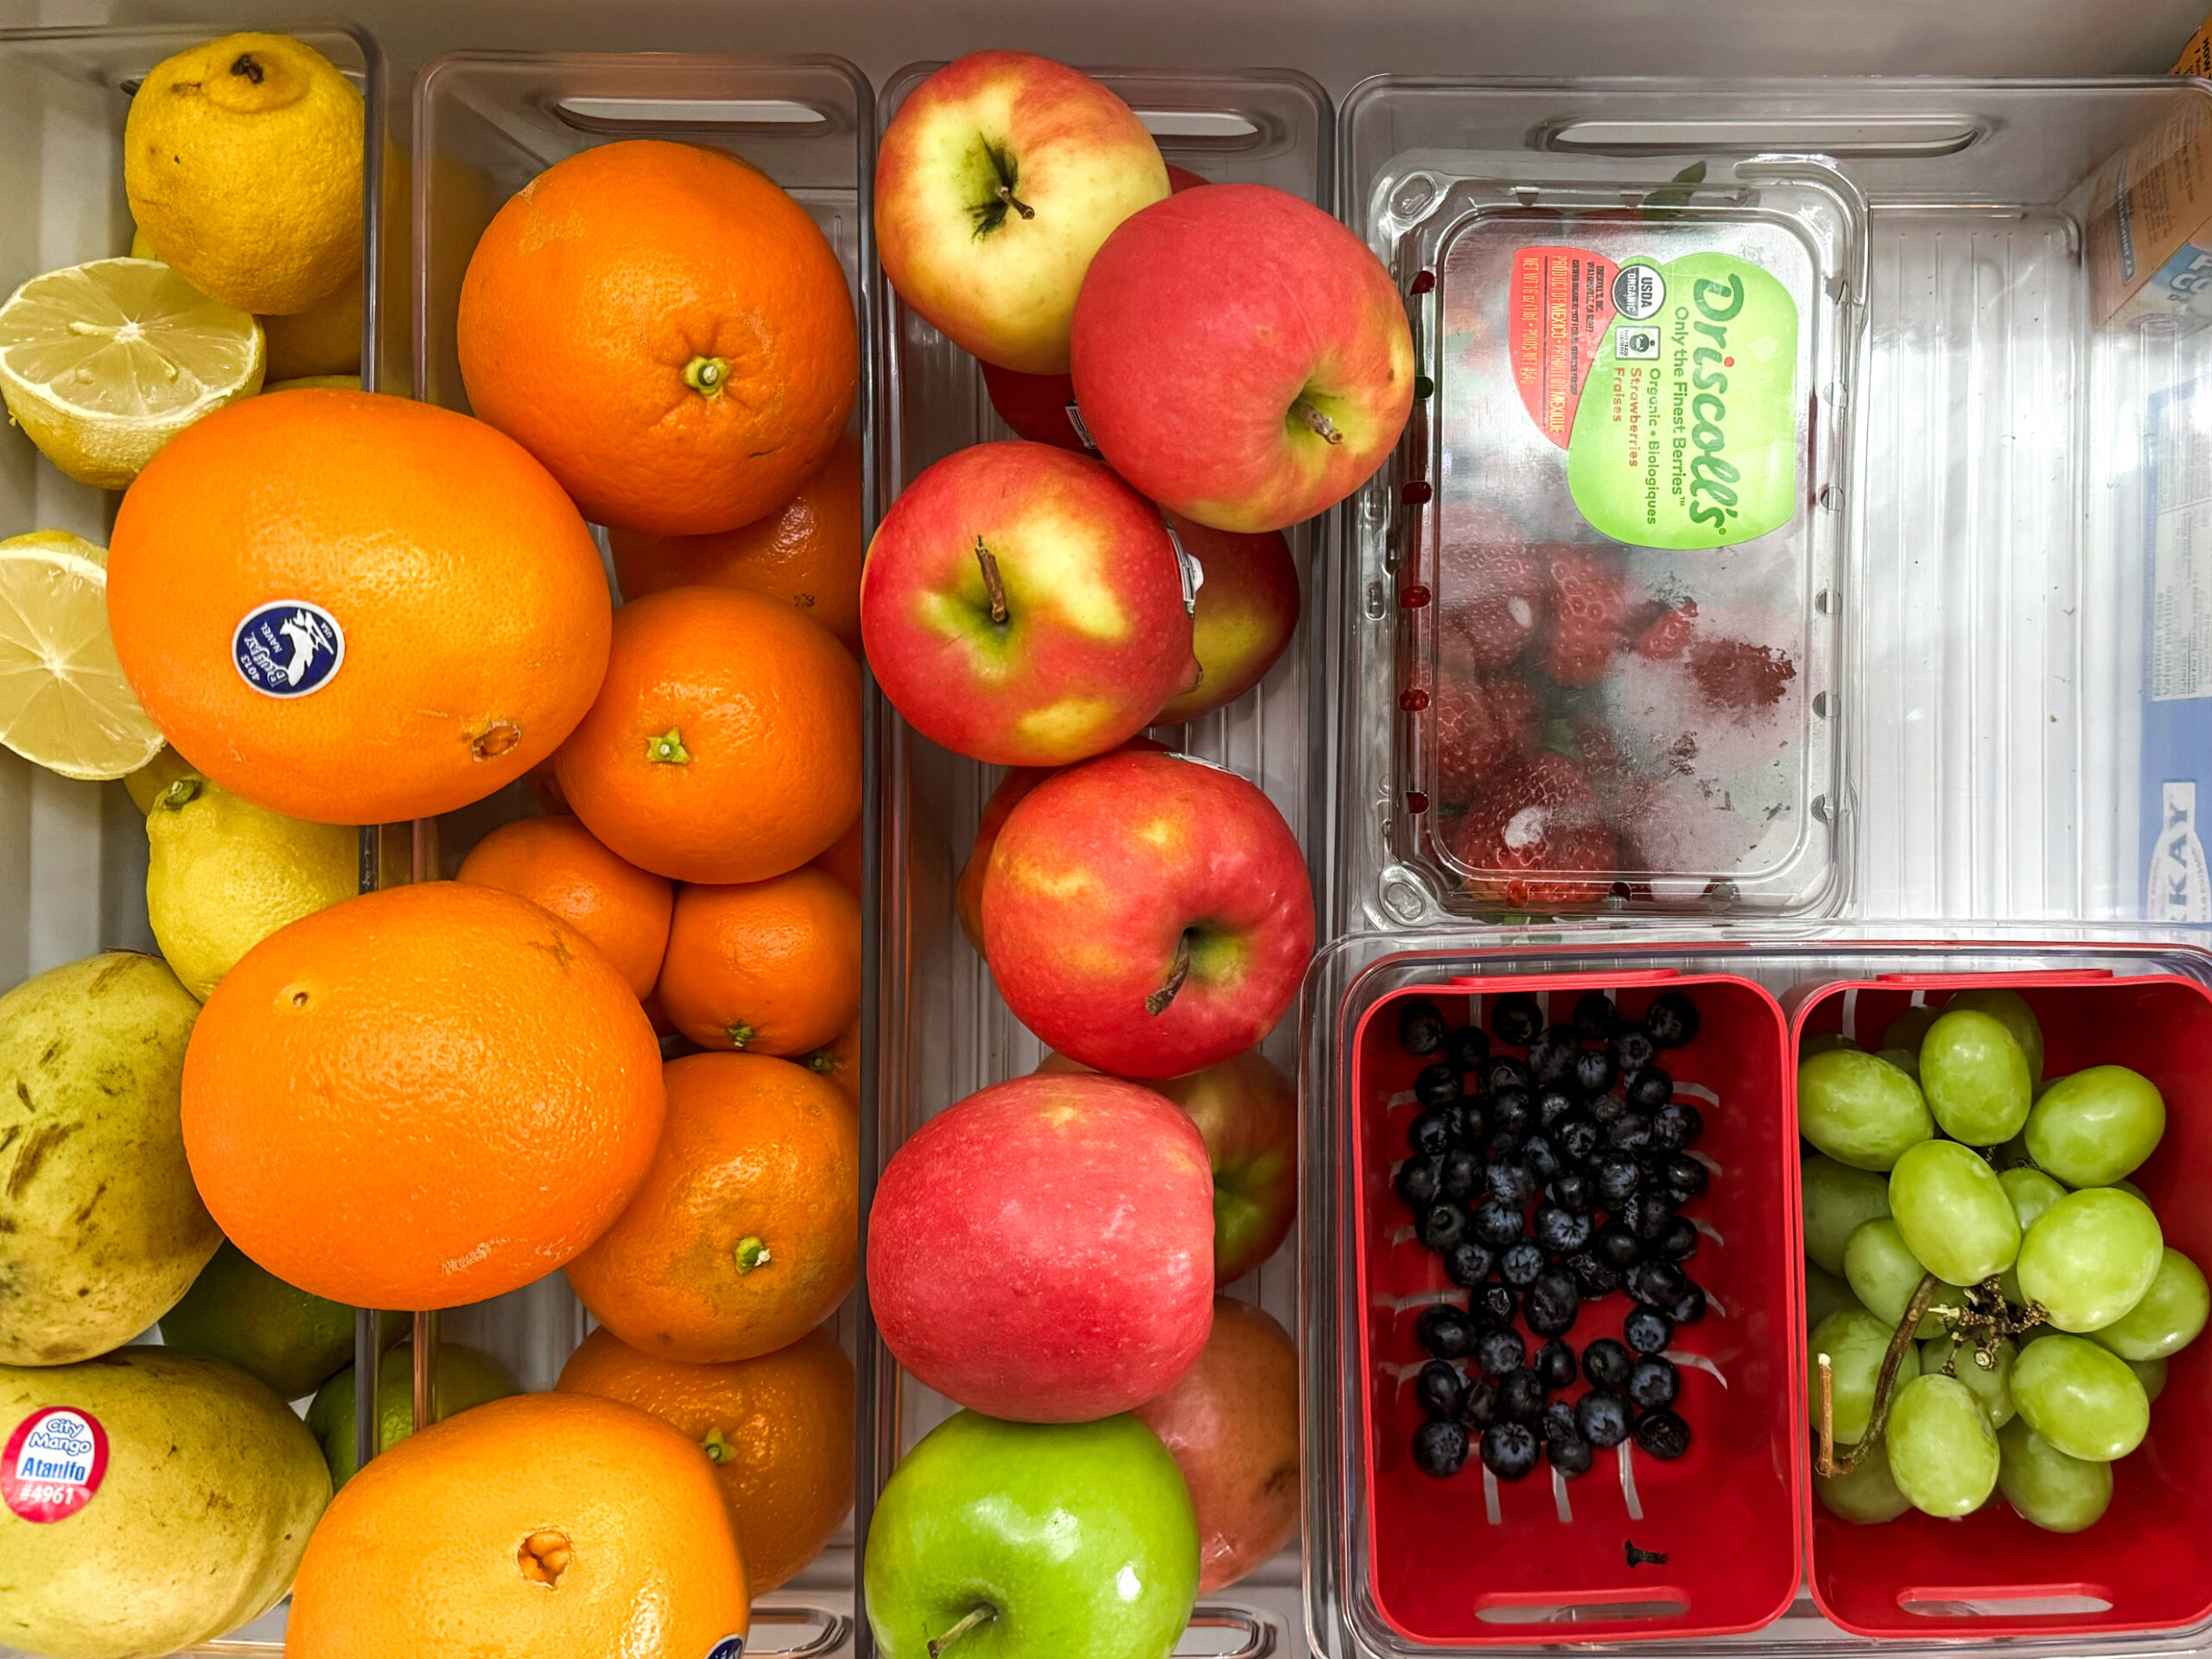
(288, 648)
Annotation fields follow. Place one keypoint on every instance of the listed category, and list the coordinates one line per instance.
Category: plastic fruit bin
(2147, 1565)
(1470, 1560)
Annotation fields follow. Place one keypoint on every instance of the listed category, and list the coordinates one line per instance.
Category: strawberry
(1537, 817)
(1588, 621)
(1493, 595)
(1666, 638)
(1483, 723)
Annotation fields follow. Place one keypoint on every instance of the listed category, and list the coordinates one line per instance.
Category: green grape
(2080, 1397)
(2094, 1127)
(1822, 1043)
(2013, 1154)
(2019, 1018)
(1867, 1494)
(1860, 1110)
(2008, 1284)
(1837, 1199)
(1975, 1077)
(2031, 1191)
(2168, 1318)
(1943, 1452)
(1854, 1342)
(1906, 1059)
(2151, 1374)
(1953, 1211)
(1908, 1027)
(1992, 1387)
(2130, 1188)
(1883, 1274)
(2053, 1492)
(1825, 1293)
(2090, 1257)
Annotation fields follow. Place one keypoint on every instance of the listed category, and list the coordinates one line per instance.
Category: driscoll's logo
(1717, 305)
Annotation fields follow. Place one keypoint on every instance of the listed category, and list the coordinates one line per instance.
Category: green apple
(466, 1378)
(1033, 1540)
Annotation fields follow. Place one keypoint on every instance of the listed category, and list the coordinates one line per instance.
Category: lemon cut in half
(64, 703)
(102, 364)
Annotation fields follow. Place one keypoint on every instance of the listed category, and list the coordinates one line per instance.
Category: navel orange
(666, 330)
(420, 1097)
(771, 967)
(806, 553)
(745, 1233)
(556, 863)
(843, 858)
(354, 608)
(543, 1524)
(777, 1429)
(725, 744)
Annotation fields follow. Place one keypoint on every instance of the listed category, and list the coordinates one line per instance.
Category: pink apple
(995, 183)
(1247, 1113)
(1023, 606)
(1247, 609)
(1231, 1425)
(1241, 358)
(1148, 914)
(1042, 1250)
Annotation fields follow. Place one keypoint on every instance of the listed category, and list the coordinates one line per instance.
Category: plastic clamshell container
(2147, 1564)
(944, 1031)
(1621, 519)
(1470, 1559)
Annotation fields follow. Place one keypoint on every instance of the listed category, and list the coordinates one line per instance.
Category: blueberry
(1691, 1308)
(1520, 1263)
(1446, 1331)
(1478, 1406)
(1500, 1353)
(1649, 1089)
(1592, 1277)
(1594, 1071)
(1510, 1112)
(1570, 1454)
(1551, 1057)
(1502, 1143)
(1632, 1048)
(1508, 1450)
(1497, 1224)
(1553, 1104)
(1658, 1215)
(1648, 1331)
(1553, 1303)
(1513, 1183)
(1495, 1305)
(1460, 1174)
(1469, 1263)
(1654, 1382)
(1616, 1174)
(1434, 1134)
(1618, 1248)
(1439, 1449)
(1467, 1048)
(1561, 1231)
(1541, 1157)
(1437, 1085)
(1602, 1416)
(1679, 1241)
(1440, 1388)
(1472, 1124)
(1520, 1396)
(1421, 1181)
(1671, 1019)
(1594, 1016)
(1517, 1018)
(1577, 1137)
(1657, 1283)
(1443, 1224)
(1421, 1027)
(1572, 1191)
(1629, 1132)
(1684, 1175)
(1606, 1363)
(1661, 1433)
(1503, 1072)
(1554, 1364)
(1556, 1419)
(1676, 1125)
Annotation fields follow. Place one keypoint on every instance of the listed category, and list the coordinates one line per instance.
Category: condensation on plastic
(944, 1030)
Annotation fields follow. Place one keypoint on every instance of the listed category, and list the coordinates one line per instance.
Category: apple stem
(970, 1620)
(1319, 422)
(1006, 194)
(993, 584)
(1180, 970)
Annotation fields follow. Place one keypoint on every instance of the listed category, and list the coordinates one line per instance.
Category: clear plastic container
(945, 1032)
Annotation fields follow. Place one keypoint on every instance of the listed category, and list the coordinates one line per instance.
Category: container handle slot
(1870, 135)
(1964, 982)
(1545, 1609)
(1573, 981)
(615, 114)
(1222, 1632)
(801, 1632)
(1221, 126)
(2002, 1601)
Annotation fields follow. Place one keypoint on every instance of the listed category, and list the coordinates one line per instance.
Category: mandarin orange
(745, 1233)
(420, 1097)
(840, 1061)
(779, 1430)
(556, 863)
(665, 330)
(844, 859)
(771, 967)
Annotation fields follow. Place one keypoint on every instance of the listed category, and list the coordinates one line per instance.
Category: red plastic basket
(1728, 1516)
(2147, 1565)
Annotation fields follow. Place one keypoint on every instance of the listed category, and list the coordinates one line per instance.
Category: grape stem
(1830, 1464)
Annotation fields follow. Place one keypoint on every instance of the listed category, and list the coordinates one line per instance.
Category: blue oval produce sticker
(730, 1647)
(289, 648)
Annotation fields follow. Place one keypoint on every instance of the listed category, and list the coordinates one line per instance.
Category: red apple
(1241, 358)
(1247, 1114)
(995, 183)
(1042, 1250)
(1148, 914)
(1247, 609)
(1231, 1426)
(1023, 606)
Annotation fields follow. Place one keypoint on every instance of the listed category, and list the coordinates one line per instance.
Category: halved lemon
(64, 703)
(102, 364)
